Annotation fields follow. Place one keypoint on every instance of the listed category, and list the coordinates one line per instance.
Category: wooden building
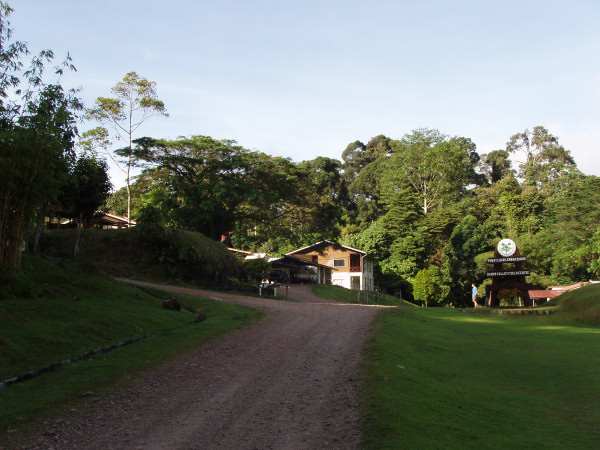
(352, 268)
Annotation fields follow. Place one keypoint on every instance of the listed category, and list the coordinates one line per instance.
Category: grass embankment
(76, 309)
(437, 378)
(340, 294)
(579, 306)
(164, 256)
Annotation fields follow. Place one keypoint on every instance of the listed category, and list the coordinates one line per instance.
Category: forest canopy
(427, 206)
(425, 202)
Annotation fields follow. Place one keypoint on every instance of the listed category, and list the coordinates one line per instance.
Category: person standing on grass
(474, 295)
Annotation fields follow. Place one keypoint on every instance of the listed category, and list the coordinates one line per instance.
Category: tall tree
(470, 148)
(402, 214)
(437, 168)
(495, 165)
(365, 192)
(544, 158)
(83, 192)
(423, 287)
(135, 101)
(562, 248)
(209, 184)
(325, 175)
(468, 240)
(354, 159)
(357, 155)
(37, 129)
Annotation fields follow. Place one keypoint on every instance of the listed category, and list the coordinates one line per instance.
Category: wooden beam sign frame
(507, 253)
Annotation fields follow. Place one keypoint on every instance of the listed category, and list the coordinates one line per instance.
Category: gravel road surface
(286, 383)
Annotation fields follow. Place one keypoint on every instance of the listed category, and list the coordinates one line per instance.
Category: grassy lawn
(74, 309)
(438, 378)
(432, 378)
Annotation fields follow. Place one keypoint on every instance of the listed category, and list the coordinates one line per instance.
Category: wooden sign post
(507, 254)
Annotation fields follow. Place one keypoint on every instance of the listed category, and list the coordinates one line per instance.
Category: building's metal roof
(328, 243)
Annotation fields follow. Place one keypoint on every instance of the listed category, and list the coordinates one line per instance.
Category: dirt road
(286, 383)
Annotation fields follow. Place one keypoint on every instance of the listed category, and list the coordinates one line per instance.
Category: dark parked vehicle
(306, 275)
(279, 276)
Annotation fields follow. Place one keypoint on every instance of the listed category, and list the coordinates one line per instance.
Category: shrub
(509, 297)
(256, 269)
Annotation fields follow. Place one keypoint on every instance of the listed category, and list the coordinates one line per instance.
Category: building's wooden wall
(328, 255)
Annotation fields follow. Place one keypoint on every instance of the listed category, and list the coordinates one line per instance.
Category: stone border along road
(286, 383)
(57, 365)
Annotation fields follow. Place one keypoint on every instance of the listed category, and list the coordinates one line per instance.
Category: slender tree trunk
(14, 242)
(129, 164)
(80, 235)
(128, 198)
(37, 235)
(7, 208)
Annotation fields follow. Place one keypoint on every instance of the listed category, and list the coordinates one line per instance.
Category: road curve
(285, 383)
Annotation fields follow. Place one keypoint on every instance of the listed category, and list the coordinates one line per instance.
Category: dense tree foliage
(218, 188)
(83, 191)
(544, 159)
(438, 169)
(495, 165)
(427, 206)
(37, 131)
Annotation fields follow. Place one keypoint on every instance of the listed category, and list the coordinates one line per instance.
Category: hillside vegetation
(581, 305)
(152, 254)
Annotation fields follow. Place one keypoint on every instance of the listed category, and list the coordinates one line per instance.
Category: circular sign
(506, 247)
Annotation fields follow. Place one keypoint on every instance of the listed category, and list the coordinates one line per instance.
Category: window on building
(339, 263)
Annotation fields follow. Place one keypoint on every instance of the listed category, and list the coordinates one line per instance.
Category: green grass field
(438, 378)
(75, 309)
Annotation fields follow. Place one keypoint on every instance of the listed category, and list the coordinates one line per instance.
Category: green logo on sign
(506, 247)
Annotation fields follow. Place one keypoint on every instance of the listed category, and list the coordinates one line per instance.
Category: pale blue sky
(303, 79)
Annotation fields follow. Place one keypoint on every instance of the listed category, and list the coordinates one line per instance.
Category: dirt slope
(285, 383)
